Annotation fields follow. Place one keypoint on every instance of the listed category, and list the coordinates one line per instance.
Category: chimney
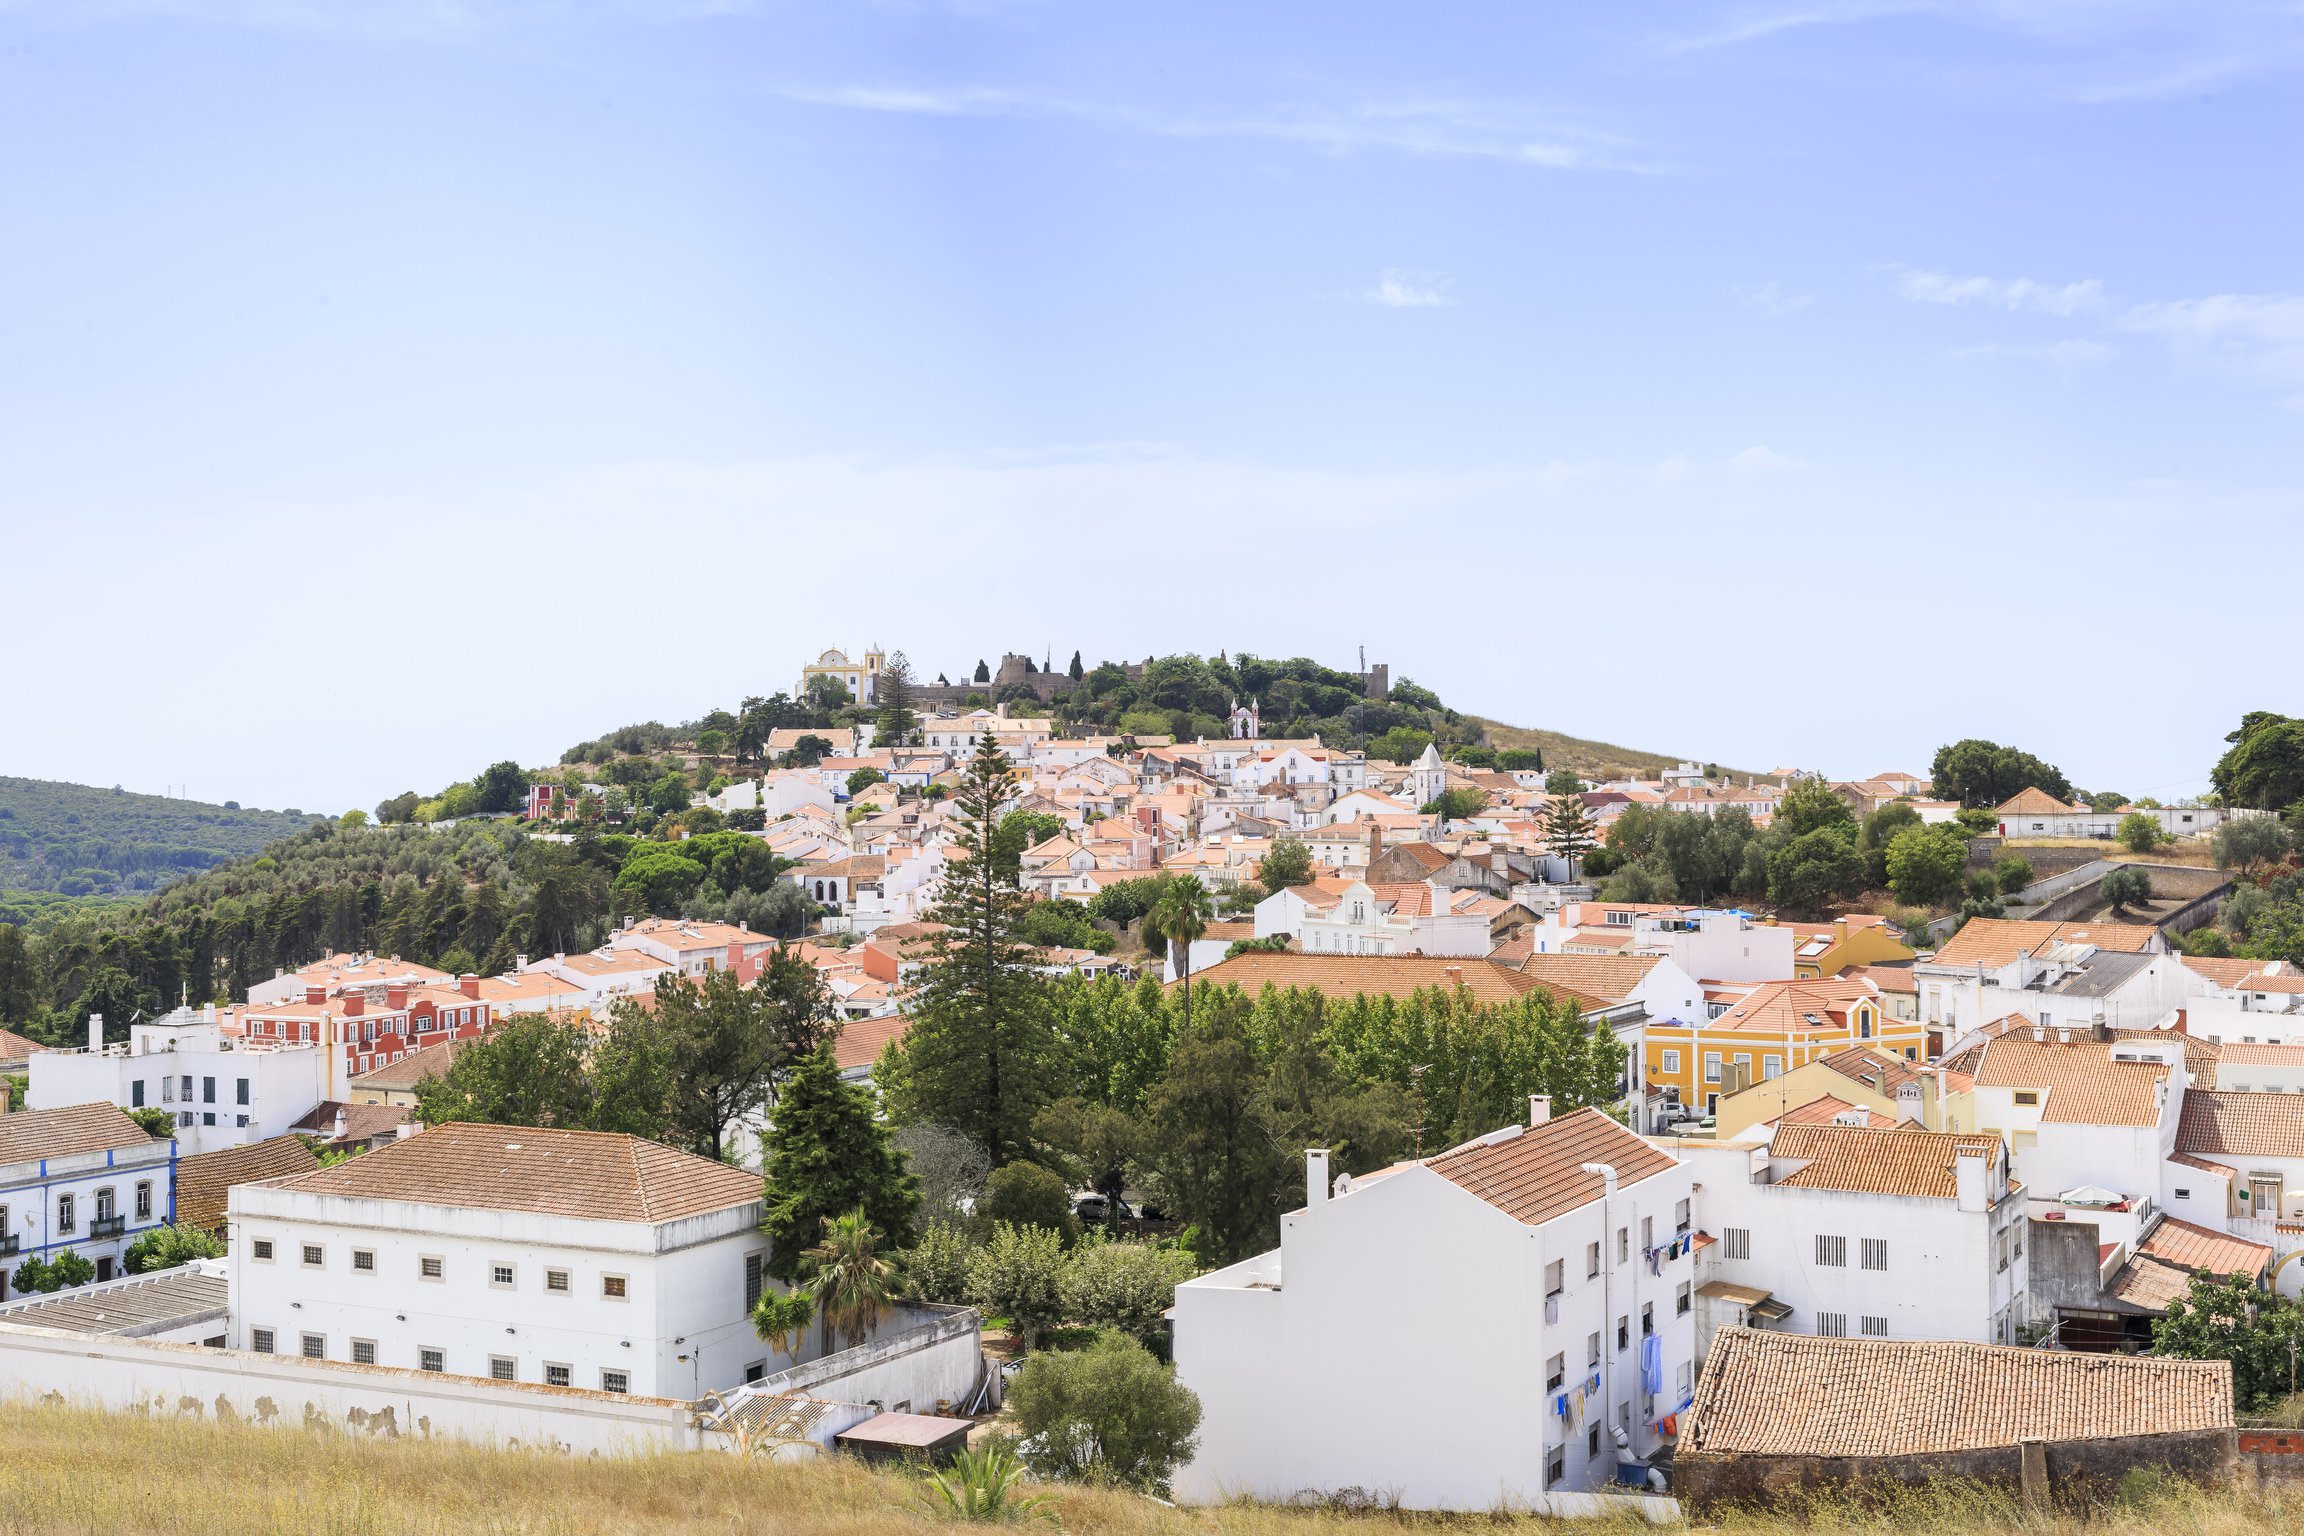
(1315, 1176)
(396, 997)
(1454, 973)
(96, 1033)
(743, 925)
(468, 984)
(315, 994)
(1539, 1108)
(405, 1129)
(355, 1002)
(1971, 1176)
(520, 963)
(1375, 839)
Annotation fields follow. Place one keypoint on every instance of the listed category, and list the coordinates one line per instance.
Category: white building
(692, 947)
(1707, 944)
(82, 1179)
(1870, 1233)
(2239, 1165)
(1553, 1262)
(221, 1091)
(569, 1258)
(1994, 967)
(1411, 918)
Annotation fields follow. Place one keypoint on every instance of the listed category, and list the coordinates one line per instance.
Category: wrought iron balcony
(107, 1226)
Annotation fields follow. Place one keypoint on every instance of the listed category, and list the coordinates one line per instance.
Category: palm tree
(1180, 916)
(850, 1280)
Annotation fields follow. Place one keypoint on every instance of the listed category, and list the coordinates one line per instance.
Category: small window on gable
(2027, 1097)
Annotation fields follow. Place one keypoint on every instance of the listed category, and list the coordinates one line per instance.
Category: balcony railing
(10, 1246)
(107, 1226)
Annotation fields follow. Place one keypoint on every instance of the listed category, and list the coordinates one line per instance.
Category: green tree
(1567, 828)
(1106, 1414)
(1287, 863)
(1123, 1285)
(1026, 1194)
(826, 694)
(1019, 1274)
(1880, 829)
(503, 788)
(980, 1054)
(899, 714)
(1206, 1136)
(2125, 887)
(656, 879)
(1813, 869)
(983, 673)
(850, 1280)
(1985, 774)
(1018, 832)
(2249, 846)
(1095, 1143)
(807, 752)
(2263, 766)
(1809, 806)
(529, 1070)
(2227, 1318)
(730, 1044)
(936, 1267)
(20, 986)
(781, 1319)
(1074, 671)
(864, 778)
(1926, 865)
(2012, 873)
(1179, 918)
(168, 1247)
(2138, 833)
(1400, 744)
(1519, 760)
(354, 818)
(827, 1153)
(1457, 804)
(157, 1123)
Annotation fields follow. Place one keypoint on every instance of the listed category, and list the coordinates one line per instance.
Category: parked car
(1094, 1207)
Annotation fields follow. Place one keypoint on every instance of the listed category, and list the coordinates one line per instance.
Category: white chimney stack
(96, 1034)
(1315, 1176)
(1539, 1108)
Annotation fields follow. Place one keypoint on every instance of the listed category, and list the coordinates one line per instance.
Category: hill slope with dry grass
(1592, 759)
(64, 1469)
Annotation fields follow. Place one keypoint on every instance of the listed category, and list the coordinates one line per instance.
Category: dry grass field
(70, 1471)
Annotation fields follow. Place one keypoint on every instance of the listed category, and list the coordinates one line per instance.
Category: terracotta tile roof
(1515, 950)
(1786, 1394)
(2194, 1247)
(362, 1122)
(16, 1047)
(2243, 1054)
(2190, 1161)
(1887, 978)
(1821, 1111)
(417, 1066)
(1921, 1164)
(1537, 1174)
(1993, 942)
(583, 1174)
(1796, 1007)
(28, 1135)
(1397, 976)
(860, 1041)
(2082, 1083)
(1880, 1071)
(1614, 977)
(2220, 1124)
(2200, 1053)
(204, 1180)
(2148, 1284)
(2034, 802)
(2224, 972)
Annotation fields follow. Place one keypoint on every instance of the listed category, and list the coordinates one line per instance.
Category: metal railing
(107, 1226)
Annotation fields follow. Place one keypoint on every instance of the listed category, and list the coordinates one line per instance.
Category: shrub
(1123, 1285)
(1019, 1275)
(168, 1247)
(1110, 1413)
(2125, 887)
(1026, 1194)
(938, 1264)
(2012, 873)
(2138, 833)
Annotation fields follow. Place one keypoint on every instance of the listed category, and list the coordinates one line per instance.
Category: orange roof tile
(1535, 1173)
(1921, 1164)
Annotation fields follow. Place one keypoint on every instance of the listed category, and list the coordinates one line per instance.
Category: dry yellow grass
(70, 1470)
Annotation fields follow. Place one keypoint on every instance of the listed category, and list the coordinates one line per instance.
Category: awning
(1771, 1309)
(1756, 1302)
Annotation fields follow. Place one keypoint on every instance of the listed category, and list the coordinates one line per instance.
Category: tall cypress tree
(828, 1155)
(982, 1042)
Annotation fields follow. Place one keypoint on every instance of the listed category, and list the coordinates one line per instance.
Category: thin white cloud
(2258, 335)
(2020, 295)
(1761, 460)
(2066, 355)
(1483, 130)
(1399, 288)
(1771, 299)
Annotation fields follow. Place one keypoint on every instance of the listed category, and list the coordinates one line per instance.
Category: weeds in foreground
(985, 1486)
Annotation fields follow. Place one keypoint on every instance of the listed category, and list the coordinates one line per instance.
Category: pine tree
(981, 1045)
(827, 1155)
(1568, 829)
(899, 720)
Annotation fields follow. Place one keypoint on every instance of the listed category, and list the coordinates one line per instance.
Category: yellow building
(1862, 1077)
(1825, 949)
(1777, 1028)
(860, 678)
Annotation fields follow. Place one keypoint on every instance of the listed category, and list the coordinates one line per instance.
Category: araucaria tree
(899, 718)
(827, 1155)
(980, 1053)
(1568, 828)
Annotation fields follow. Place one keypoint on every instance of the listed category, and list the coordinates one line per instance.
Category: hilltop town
(893, 1066)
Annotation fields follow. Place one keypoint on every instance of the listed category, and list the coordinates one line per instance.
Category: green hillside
(1595, 760)
(72, 840)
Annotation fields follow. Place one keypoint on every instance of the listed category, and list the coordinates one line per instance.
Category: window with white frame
(260, 1340)
(364, 1261)
(556, 1282)
(559, 1375)
(431, 1266)
(500, 1276)
(431, 1359)
(615, 1288)
(315, 1346)
(67, 1219)
(1591, 1260)
(1671, 1062)
(363, 1351)
(1711, 1066)
(315, 1256)
(503, 1368)
(1555, 1373)
(615, 1381)
(144, 1200)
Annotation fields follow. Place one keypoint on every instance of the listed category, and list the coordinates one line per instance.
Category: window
(503, 1368)
(144, 1200)
(207, 1090)
(1623, 1245)
(1555, 1373)
(107, 1204)
(1771, 1068)
(364, 1261)
(260, 1340)
(1831, 1252)
(1875, 1327)
(615, 1381)
(2027, 1097)
(752, 1272)
(1680, 1301)
(1591, 1260)
(556, 1280)
(559, 1376)
(167, 1090)
(1592, 1349)
(314, 1256)
(1671, 1062)
(2183, 1194)
(1736, 1242)
(1554, 1281)
(136, 1094)
(1711, 1066)
(1647, 1233)
(1832, 1325)
(363, 1351)
(242, 1087)
(431, 1360)
(500, 1276)
(614, 1288)
(1875, 1253)
(430, 1267)
(756, 1371)
(261, 1250)
(1685, 1376)
(1647, 1318)
(1592, 1441)
(1555, 1466)
(66, 1220)
(315, 1346)
(1680, 1217)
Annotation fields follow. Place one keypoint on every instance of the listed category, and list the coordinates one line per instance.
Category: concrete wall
(907, 1370)
(2199, 886)
(147, 1376)
(2079, 1471)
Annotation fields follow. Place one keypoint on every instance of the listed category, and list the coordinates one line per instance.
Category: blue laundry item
(1652, 1364)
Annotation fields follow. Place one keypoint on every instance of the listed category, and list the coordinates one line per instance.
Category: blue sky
(389, 387)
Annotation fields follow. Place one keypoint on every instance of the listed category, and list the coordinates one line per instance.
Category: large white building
(569, 1258)
(1463, 1332)
(81, 1179)
(1861, 1232)
(220, 1090)
(1710, 945)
